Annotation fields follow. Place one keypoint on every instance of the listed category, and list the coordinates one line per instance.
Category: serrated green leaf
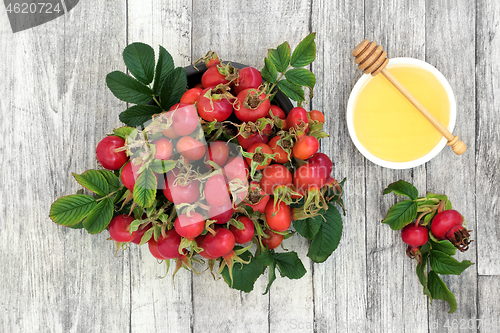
(134, 225)
(291, 90)
(71, 209)
(265, 258)
(269, 72)
(111, 179)
(443, 263)
(140, 61)
(444, 246)
(145, 189)
(289, 265)
(402, 188)
(128, 89)
(305, 52)
(100, 216)
(79, 225)
(121, 195)
(439, 290)
(328, 237)
(272, 277)
(94, 181)
(309, 227)
(147, 236)
(123, 132)
(138, 114)
(401, 214)
(302, 77)
(164, 66)
(244, 275)
(162, 166)
(280, 57)
(173, 88)
(437, 196)
(421, 274)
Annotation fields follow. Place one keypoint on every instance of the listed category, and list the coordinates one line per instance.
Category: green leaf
(162, 166)
(164, 66)
(448, 205)
(173, 88)
(439, 290)
(289, 265)
(402, 188)
(147, 236)
(305, 52)
(140, 61)
(421, 274)
(123, 132)
(302, 77)
(100, 216)
(71, 209)
(111, 179)
(309, 227)
(328, 237)
(145, 189)
(79, 225)
(437, 196)
(291, 90)
(269, 72)
(94, 181)
(444, 246)
(280, 57)
(128, 89)
(244, 275)
(265, 258)
(272, 277)
(401, 214)
(443, 263)
(138, 114)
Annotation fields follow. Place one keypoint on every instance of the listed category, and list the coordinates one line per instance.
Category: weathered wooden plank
(487, 138)
(488, 306)
(395, 299)
(242, 32)
(53, 107)
(157, 304)
(451, 31)
(340, 283)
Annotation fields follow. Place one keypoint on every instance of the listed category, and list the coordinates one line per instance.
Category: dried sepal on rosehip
(258, 157)
(448, 225)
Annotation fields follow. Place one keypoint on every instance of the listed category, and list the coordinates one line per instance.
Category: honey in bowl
(388, 126)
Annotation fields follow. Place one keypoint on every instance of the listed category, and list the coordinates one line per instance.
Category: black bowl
(194, 77)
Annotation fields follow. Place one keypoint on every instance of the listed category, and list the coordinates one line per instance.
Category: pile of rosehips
(433, 231)
(222, 168)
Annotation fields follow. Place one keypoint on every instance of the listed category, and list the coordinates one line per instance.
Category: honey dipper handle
(459, 147)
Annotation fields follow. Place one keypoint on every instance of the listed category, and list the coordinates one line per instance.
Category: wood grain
(395, 298)
(443, 21)
(157, 302)
(487, 139)
(339, 26)
(242, 32)
(55, 107)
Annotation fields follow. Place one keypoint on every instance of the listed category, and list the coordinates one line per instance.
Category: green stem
(278, 79)
(109, 195)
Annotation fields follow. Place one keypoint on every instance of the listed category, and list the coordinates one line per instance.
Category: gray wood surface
(55, 107)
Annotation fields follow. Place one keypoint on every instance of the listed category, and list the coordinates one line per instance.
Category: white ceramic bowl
(395, 62)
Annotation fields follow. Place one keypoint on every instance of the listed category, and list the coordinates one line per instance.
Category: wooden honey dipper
(372, 59)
